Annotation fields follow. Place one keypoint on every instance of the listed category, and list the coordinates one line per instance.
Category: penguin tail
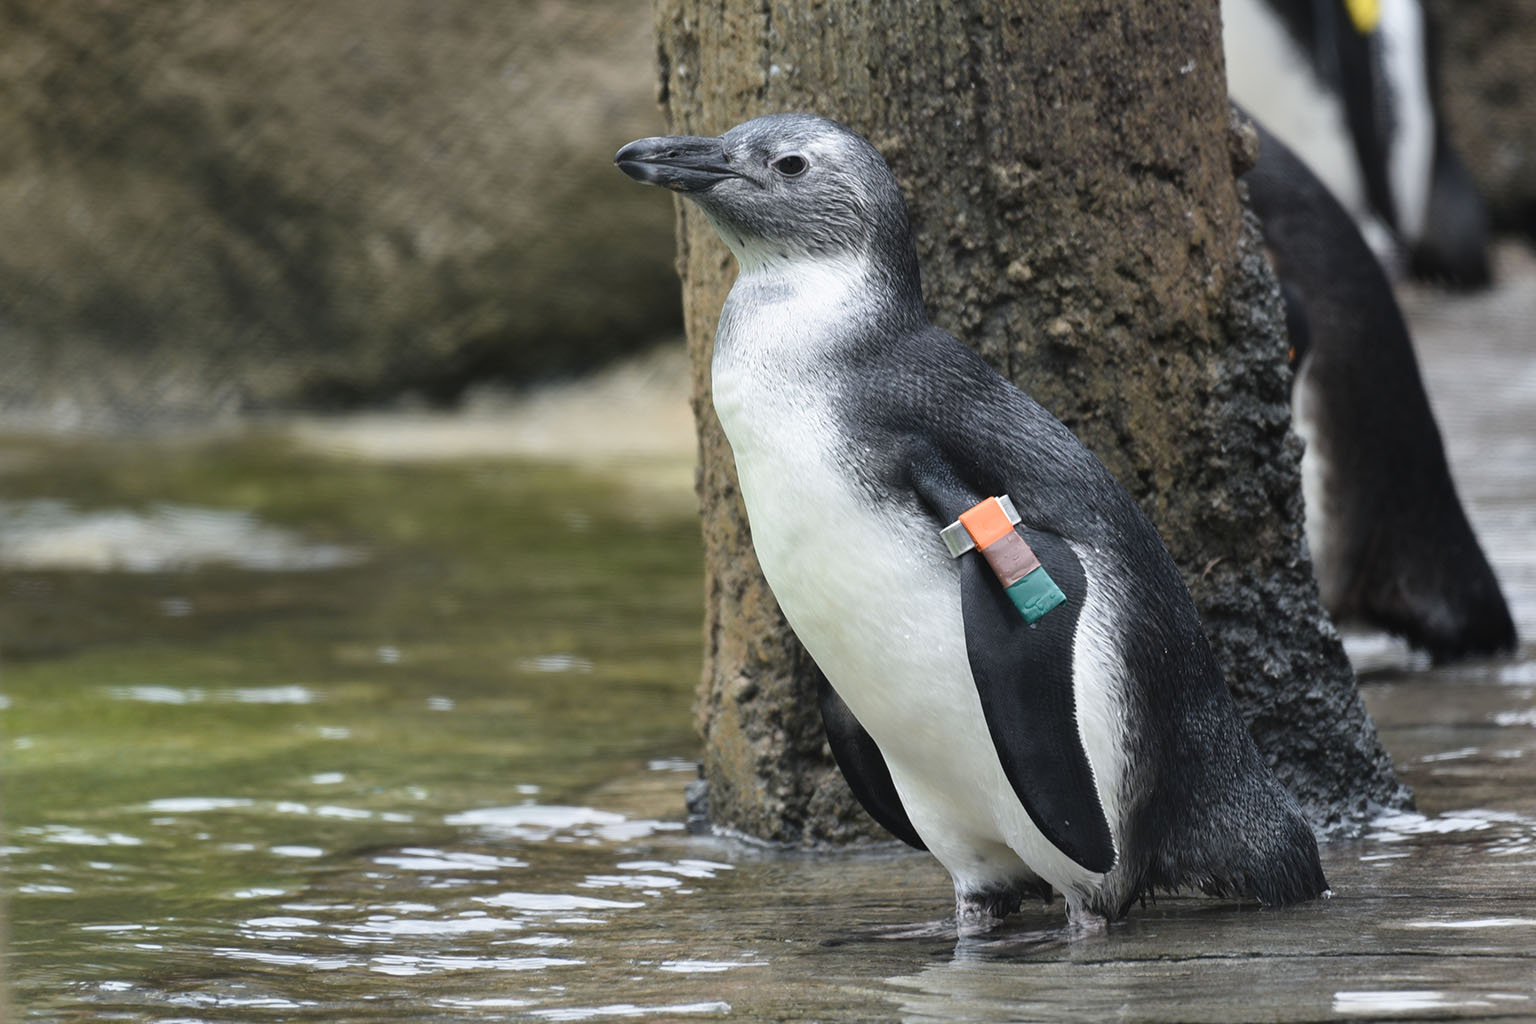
(1452, 610)
(1235, 832)
(1278, 866)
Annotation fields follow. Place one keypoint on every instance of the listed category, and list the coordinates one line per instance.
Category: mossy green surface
(512, 629)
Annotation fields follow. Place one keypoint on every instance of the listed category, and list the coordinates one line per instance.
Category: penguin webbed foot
(1083, 921)
(978, 911)
(974, 918)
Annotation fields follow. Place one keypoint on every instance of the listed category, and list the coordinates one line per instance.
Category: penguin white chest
(867, 585)
(881, 616)
(868, 590)
(864, 583)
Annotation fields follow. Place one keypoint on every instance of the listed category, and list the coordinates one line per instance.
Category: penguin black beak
(682, 163)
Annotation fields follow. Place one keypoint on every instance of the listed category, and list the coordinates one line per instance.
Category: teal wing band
(1035, 594)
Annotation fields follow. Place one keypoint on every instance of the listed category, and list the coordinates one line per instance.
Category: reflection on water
(46, 534)
(443, 782)
(246, 775)
(1399, 1001)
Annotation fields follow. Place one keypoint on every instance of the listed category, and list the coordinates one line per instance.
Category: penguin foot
(972, 919)
(1082, 922)
(978, 911)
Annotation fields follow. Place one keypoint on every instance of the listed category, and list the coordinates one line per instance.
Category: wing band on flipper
(1023, 675)
(988, 526)
(862, 764)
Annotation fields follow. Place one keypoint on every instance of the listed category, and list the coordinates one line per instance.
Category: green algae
(512, 628)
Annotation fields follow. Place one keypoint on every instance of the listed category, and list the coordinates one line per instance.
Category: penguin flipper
(1023, 674)
(863, 765)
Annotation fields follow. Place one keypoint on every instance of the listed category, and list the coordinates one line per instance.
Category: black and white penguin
(1351, 87)
(1075, 732)
(1391, 545)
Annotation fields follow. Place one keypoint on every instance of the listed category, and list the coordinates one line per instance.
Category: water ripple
(554, 902)
(195, 804)
(540, 822)
(402, 964)
(46, 534)
(705, 966)
(648, 882)
(313, 963)
(577, 1013)
(1374, 1002)
(1397, 826)
(1485, 922)
(687, 867)
(150, 693)
(70, 835)
(419, 859)
(437, 926)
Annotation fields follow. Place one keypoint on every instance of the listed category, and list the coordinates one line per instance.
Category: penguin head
(783, 187)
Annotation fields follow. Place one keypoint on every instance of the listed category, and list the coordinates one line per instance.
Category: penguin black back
(1096, 748)
(1390, 542)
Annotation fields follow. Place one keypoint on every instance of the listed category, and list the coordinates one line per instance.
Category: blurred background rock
(212, 208)
(221, 207)
(1488, 56)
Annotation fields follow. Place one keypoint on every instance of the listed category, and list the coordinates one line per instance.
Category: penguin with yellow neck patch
(1350, 86)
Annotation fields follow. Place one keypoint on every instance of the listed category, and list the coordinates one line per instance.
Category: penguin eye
(791, 166)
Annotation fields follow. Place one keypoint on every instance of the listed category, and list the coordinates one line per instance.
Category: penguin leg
(979, 910)
(1083, 920)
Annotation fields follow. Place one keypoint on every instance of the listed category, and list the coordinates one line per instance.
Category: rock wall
(217, 207)
(1069, 172)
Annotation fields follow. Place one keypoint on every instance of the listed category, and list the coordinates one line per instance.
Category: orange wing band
(986, 522)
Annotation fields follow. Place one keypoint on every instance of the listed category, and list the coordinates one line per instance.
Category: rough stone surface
(1069, 171)
(1283, 658)
(213, 207)
(1488, 94)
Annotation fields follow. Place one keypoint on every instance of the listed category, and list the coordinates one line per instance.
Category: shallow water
(406, 741)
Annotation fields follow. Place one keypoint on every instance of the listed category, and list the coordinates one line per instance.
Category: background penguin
(1097, 750)
(1390, 542)
(1351, 87)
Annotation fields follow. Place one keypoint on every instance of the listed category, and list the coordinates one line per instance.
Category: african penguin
(1095, 750)
(1351, 87)
(1390, 543)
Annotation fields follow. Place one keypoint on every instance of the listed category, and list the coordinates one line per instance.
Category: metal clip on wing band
(957, 536)
(989, 527)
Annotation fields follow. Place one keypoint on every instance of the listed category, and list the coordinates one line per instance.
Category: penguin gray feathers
(1096, 750)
